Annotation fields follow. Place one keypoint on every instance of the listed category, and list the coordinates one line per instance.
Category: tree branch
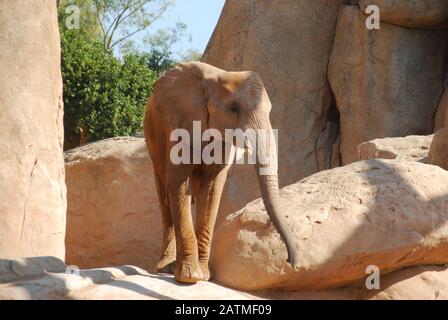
(161, 12)
(124, 12)
(128, 36)
(115, 23)
(133, 11)
(97, 12)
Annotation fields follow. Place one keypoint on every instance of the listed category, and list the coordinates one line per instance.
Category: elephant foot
(205, 271)
(166, 265)
(188, 272)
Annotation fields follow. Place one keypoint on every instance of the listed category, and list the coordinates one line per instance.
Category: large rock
(387, 82)
(292, 59)
(14, 269)
(32, 188)
(410, 148)
(113, 214)
(411, 14)
(387, 213)
(438, 154)
(129, 282)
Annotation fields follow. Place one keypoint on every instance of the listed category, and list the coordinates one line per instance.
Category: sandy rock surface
(384, 83)
(410, 148)
(32, 188)
(129, 282)
(411, 14)
(113, 215)
(387, 213)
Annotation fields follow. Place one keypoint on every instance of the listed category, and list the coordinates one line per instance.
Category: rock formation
(340, 93)
(113, 214)
(288, 43)
(129, 282)
(411, 14)
(387, 82)
(387, 213)
(410, 148)
(32, 188)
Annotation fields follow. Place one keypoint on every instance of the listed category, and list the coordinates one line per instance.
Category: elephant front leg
(208, 199)
(187, 265)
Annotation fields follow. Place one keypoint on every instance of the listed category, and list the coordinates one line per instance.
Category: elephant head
(229, 100)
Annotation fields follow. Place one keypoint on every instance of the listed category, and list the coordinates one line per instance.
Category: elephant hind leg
(167, 260)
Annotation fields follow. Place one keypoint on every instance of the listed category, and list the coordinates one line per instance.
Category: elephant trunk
(266, 167)
(271, 198)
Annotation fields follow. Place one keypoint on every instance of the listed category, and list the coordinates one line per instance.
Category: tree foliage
(107, 75)
(104, 97)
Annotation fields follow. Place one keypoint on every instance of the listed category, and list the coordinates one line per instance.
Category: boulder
(32, 187)
(14, 269)
(438, 154)
(387, 213)
(292, 59)
(387, 82)
(113, 214)
(410, 148)
(411, 14)
(439, 120)
(110, 283)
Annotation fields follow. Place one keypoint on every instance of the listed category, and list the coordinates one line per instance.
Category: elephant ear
(181, 94)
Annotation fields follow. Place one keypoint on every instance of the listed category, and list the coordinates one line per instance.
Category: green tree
(115, 22)
(159, 46)
(104, 97)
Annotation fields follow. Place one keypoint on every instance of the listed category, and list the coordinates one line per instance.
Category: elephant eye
(234, 108)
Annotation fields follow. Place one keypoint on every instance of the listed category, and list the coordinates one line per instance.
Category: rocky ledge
(46, 278)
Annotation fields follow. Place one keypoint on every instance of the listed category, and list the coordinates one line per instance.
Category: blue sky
(200, 16)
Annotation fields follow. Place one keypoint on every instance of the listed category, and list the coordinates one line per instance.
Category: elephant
(220, 100)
